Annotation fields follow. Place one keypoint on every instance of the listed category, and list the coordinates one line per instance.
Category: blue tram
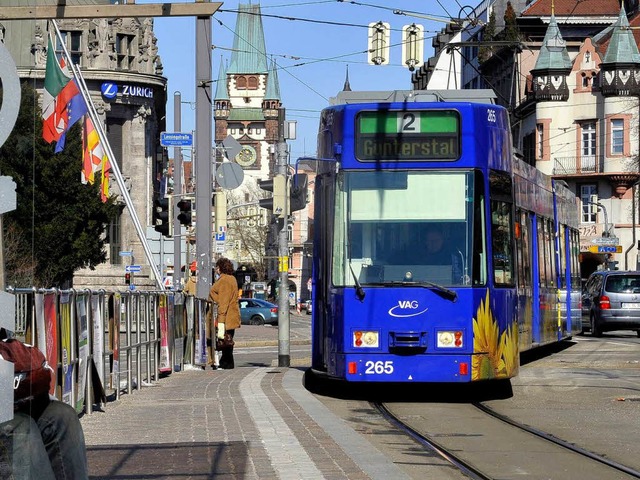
(438, 255)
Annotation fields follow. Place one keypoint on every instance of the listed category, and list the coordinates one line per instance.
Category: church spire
(347, 87)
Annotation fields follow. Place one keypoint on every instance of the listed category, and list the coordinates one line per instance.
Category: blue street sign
(168, 139)
(606, 249)
(125, 254)
(132, 268)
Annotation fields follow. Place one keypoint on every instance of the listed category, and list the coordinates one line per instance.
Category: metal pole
(284, 359)
(177, 190)
(204, 169)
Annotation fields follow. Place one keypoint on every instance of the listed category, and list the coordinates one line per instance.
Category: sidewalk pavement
(245, 423)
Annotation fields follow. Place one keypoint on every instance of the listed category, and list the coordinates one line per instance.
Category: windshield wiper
(444, 292)
(359, 290)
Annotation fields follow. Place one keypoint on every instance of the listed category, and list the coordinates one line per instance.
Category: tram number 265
(378, 368)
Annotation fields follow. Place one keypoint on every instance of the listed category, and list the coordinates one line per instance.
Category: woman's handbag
(225, 342)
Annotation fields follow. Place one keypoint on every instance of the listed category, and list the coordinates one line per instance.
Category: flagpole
(97, 123)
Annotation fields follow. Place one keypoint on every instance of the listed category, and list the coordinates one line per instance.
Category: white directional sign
(132, 268)
(606, 241)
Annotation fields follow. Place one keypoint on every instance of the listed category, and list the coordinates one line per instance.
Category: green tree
(59, 224)
(511, 31)
(488, 34)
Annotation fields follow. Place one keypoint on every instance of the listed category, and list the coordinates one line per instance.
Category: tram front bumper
(396, 368)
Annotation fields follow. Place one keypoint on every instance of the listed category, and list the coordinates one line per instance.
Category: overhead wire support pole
(177, 190)
(284, 357)
(203, 161)
(115, 169)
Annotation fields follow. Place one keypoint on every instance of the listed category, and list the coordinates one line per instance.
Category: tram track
(450, 442)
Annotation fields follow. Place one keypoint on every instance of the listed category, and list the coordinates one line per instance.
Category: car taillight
(605, 304)
(274, 310)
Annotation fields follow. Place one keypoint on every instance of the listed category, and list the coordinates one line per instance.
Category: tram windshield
(409, 227)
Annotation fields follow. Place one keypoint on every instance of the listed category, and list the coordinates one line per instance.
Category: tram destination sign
(408, 135)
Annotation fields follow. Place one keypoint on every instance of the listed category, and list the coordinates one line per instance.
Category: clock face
(247, 156)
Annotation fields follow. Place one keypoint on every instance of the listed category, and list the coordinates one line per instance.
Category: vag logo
(406, 308)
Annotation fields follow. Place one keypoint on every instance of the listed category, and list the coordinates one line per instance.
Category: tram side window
(576, 283)
(553, 271)
(502, 234)
(523, 247)
(562, 270)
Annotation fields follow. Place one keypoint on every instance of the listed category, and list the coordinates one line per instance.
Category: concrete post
(284, 359)
(177, 191)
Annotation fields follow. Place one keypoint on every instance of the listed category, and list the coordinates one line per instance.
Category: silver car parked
(611, 301)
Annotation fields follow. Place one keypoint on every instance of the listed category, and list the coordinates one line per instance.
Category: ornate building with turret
(571, 83)
(122, 69)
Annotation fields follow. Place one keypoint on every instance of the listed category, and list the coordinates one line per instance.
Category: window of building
(114, 136)
(241, 83)
(528, 148)
(258, 131)
(617, 136)
(589, 198)
(114, 239)
(252, 83)
(589, 139)
(73, 42)
(540, 141)
(125, 51)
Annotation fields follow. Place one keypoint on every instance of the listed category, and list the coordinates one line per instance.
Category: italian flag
(58, 91)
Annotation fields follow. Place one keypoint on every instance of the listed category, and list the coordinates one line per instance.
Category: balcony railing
(577, 165)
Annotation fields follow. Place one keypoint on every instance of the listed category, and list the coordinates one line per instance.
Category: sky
(313, 48)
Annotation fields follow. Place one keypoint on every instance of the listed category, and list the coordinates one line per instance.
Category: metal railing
(578, 165)
(93, 338)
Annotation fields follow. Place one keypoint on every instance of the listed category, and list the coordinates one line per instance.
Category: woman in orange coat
(224, 292)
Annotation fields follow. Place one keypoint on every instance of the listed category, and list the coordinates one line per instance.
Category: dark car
(254, 311)
(611, 301)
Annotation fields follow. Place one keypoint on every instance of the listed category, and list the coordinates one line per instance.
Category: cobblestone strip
(367, 458)
(288, 457)
(332, 461)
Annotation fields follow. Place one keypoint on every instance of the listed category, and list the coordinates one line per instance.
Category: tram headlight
(449, 339)
(366, 339)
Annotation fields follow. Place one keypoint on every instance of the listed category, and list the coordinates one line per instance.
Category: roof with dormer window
(249, 52)
(572, 8)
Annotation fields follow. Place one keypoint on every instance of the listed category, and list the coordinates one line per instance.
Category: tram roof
(402, 96)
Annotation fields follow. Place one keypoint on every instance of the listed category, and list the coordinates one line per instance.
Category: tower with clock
(247, 98)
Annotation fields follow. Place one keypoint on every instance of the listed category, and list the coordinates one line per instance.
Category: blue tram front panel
(415, 335)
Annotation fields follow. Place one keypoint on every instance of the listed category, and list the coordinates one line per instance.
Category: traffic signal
(184, 217)
(379, 42)
(127, 278)
(161, 218)
(298, 192)
(278, 203)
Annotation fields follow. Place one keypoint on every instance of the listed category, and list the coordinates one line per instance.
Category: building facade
(122, 69)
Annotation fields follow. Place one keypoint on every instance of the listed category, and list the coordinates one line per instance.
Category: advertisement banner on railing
(165, 364)
(114, 333)
(51, 327)
(41, 329)
(98, 335)
(65, 332)
(83, 348)
(201, 337)
(188, 351)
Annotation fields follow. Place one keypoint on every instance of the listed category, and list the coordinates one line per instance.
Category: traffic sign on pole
(168, 139)
(132, 268)
(605, 248)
